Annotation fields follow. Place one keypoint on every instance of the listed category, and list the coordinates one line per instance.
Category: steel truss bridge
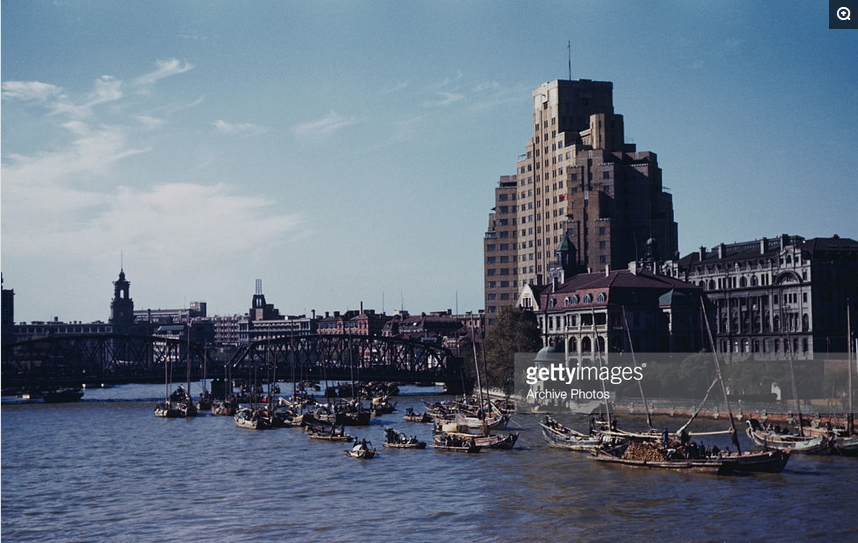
(74, 360)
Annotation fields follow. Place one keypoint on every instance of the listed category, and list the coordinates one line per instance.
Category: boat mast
(188, 369)
(850, 417)
(635, 363)
(792, 373)
(734, 435)
(477, 368)
(599, 357)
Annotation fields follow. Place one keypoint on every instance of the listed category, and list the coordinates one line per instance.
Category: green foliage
(515, 330)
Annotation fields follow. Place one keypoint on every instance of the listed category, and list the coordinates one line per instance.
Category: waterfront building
(226, 330)
(431, 327)
(365, 322)
(602, 312)
(7, 308)
(777, 298)
(500, 249)
(120, 321)
(194, 311)
(578, 186)
(264, 321)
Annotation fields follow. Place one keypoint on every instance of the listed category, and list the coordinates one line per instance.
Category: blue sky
(347, 152)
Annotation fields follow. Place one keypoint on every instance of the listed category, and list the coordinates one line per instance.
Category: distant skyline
(347, 152)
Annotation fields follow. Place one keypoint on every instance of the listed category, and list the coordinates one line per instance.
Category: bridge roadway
(72, 360)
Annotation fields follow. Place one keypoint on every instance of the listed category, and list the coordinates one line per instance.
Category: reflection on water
(106, 469)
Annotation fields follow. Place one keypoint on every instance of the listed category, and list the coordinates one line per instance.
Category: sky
(348, 152)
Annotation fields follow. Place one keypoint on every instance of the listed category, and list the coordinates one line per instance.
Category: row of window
(575, 299)
(763, 346)
(501, 284)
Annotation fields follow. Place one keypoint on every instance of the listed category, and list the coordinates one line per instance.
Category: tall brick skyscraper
(583, 198)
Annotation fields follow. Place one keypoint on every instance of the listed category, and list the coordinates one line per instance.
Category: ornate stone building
(777, 298)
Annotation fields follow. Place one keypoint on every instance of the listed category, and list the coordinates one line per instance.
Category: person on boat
(664, 435)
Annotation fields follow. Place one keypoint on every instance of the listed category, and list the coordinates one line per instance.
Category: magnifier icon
(844, 14)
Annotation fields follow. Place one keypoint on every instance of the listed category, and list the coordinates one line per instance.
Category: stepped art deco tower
(581, 198)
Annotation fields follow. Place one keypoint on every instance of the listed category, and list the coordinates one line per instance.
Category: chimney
(764, 243)
(608, 270)
(702, 253)
(722, 251)
(784, 241)
(554, 283)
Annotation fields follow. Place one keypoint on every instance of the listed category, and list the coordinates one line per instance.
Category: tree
(515, 330)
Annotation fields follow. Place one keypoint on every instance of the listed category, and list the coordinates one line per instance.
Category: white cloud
(239, 129)
(150, 122)
(30, 90)
(445, 99)
(166, 68)
(324, 127)
(71, 204)
(188, 222)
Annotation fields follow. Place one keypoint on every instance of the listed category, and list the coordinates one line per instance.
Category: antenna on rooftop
(569, 49)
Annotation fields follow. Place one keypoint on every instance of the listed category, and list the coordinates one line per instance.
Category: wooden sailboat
(800, 442)
(562, 437)
(166, 409)
(846, 443)
(682, 455)
(205, 402)
(185, 406)
(476, 426)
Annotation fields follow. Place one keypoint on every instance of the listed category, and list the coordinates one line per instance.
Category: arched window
(574, 299)
(586, 345)
(588, 298)
(600, 298)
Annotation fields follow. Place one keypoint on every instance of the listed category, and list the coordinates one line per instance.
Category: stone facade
(777, 298)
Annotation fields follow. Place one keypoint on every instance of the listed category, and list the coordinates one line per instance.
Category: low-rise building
(619, 311)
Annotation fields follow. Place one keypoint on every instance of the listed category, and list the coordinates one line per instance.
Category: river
(106, 469)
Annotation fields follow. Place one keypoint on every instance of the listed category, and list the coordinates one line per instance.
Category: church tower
(122, 306)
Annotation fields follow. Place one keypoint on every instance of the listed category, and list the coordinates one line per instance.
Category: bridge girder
(55, 361)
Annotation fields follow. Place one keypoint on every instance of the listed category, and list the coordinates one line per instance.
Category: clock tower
(122, 306)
